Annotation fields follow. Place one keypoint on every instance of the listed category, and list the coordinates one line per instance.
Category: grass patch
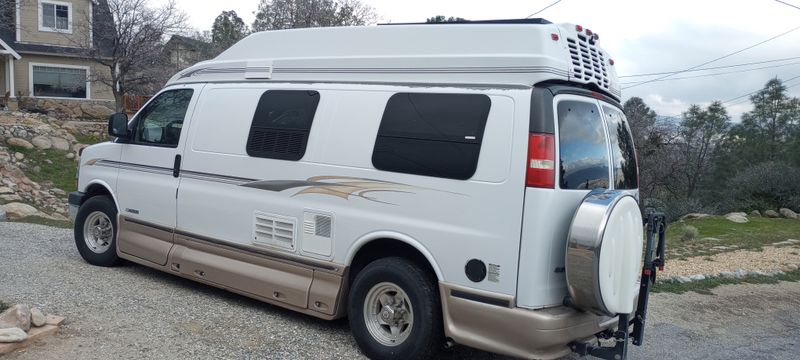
(59, 170)
(751, 236)
(91, 139)
(42, 221)
(704, 286)
(4, 306)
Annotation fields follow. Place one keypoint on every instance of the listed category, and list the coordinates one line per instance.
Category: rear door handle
(176, 168)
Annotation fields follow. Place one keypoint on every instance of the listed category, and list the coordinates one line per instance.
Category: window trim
(134, 123)
(63, 66)
(55, 29)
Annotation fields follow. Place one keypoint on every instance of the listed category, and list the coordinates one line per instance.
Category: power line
(714, 60)
(712, 67)
(757, 90)
(787, 4)
(543, 9)
(723, 73)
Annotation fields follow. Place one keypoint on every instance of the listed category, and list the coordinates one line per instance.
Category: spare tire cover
(604, 253)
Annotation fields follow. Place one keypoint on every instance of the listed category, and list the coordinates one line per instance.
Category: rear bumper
(483, 320)
(75, 200)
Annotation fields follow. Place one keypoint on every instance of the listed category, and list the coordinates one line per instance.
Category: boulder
(771, 214)
(37, 317)
(95, 111)
(12, 335)
(18, 210)
(18, 316)
(19, 156)
(755, 213)
(694, 216)
(70, 155)
(682, 279)
(19, 142)
(737, 217)
(697, 277)
(59, 143)
(788, 213)
(42, 142)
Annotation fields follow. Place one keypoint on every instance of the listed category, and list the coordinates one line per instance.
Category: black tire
(426, 337)
(105, 205)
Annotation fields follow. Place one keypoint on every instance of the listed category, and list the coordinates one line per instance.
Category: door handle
(176, 168)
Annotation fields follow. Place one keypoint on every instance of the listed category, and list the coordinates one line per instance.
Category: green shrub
(689, 233)
(769, 185)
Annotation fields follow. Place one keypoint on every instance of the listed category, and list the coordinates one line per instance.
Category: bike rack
(653, 261)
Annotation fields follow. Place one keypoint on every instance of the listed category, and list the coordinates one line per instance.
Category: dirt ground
(131, 312)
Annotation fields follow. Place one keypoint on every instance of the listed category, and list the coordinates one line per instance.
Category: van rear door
(585, 159)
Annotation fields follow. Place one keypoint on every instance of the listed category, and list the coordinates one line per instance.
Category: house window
(63, 82)
(55, 16)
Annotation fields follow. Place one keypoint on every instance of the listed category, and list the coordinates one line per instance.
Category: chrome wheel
(98, 232)
(388, 314)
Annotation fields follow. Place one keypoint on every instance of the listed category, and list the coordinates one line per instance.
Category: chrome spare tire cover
(604, 253)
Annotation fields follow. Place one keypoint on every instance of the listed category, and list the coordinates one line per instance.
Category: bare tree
(128, 40)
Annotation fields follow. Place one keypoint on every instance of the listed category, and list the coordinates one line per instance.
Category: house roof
(5, 49)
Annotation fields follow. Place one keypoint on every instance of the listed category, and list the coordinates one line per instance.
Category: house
(43, 47)
(182, 52)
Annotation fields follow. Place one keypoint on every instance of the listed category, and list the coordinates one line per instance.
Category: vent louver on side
(273, 230)
(270, 142)
(317, 234)
(588, 63)
(323, 227)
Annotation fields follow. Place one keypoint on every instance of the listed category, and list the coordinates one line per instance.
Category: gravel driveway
(132, 312)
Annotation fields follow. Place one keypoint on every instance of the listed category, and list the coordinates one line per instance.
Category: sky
(642, 36)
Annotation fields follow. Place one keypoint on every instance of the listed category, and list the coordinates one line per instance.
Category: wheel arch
(100, 187)
(382, 244)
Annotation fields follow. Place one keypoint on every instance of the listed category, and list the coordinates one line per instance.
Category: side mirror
(118, 125)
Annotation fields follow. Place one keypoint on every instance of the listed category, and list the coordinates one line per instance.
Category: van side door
(149, 174)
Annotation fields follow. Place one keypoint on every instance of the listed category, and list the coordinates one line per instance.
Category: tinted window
(582, 146)
(282, 123)
(622, 150)
(161, 121)
(432, 134)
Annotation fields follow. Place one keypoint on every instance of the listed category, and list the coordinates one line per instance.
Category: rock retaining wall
(22, 196)
(65, 108)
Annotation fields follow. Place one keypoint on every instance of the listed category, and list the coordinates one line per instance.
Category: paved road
(131, 312)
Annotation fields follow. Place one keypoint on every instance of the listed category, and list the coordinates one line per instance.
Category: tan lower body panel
(146, 242)
(531, 334)
(278, 280)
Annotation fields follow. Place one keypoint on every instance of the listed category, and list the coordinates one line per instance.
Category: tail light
(541, 171)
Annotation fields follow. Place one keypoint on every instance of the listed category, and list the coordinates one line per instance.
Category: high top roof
(512, 53)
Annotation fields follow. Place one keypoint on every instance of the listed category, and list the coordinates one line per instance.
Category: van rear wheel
(395, 312)
(96, 231)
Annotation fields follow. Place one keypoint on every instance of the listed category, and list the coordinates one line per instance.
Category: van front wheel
(96, 231)
(395, 312)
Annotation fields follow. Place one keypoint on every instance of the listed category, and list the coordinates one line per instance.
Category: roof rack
(535, 21)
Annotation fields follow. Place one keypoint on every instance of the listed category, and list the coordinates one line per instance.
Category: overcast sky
(642, 36)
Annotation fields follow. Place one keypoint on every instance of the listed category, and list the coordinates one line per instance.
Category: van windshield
(623, 153)
(582, 146)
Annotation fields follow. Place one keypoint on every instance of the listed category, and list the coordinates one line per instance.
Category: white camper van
(470, 183)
